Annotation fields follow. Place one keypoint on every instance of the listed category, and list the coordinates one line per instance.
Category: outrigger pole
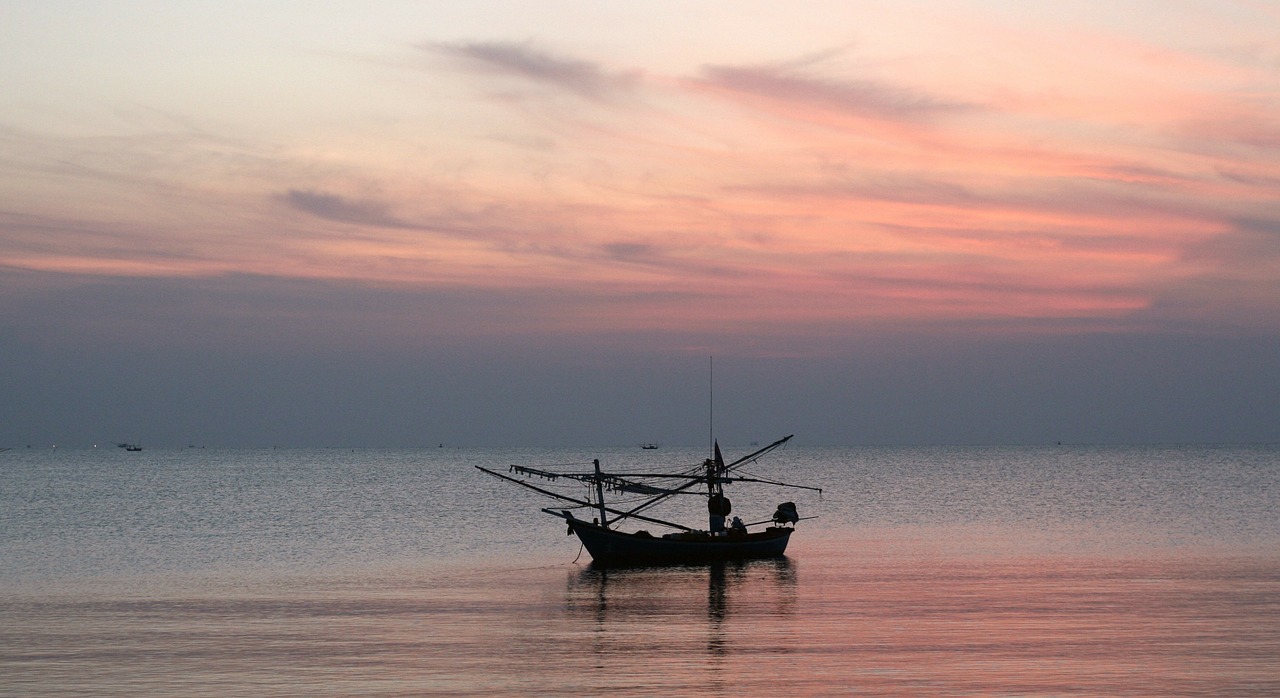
(582, 502)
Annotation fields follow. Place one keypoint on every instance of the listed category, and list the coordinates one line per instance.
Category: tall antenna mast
(711, 401)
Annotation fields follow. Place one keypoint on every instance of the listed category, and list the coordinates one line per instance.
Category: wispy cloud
(628, 251)
(1250, 250)
(336, 208)
(1249, 130)
(1252, 179)
(526, 61)
(860, 97)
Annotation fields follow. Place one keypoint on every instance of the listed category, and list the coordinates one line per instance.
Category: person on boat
(719, 507)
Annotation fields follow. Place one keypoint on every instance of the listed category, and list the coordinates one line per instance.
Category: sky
(399, 224)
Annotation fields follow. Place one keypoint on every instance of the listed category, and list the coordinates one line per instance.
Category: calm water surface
(933, 571)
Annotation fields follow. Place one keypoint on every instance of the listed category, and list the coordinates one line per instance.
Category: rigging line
(657, 476)
(640, 477)
(559, 511)
(752, 457)
(776, 483)
(745, 476)
(567, 498)
(727, 469)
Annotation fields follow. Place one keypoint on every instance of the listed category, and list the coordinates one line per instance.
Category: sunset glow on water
(928, 572)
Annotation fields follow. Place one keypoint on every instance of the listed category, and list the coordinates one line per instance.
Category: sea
(1055, 570)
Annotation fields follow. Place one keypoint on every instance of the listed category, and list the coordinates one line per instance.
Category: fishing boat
(723, 539)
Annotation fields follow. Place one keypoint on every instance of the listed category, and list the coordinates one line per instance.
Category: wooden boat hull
(616, 548)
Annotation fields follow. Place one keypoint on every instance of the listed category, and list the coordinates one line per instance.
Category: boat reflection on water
(684, 611)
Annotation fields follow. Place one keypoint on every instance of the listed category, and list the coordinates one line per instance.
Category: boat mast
(715, 472)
